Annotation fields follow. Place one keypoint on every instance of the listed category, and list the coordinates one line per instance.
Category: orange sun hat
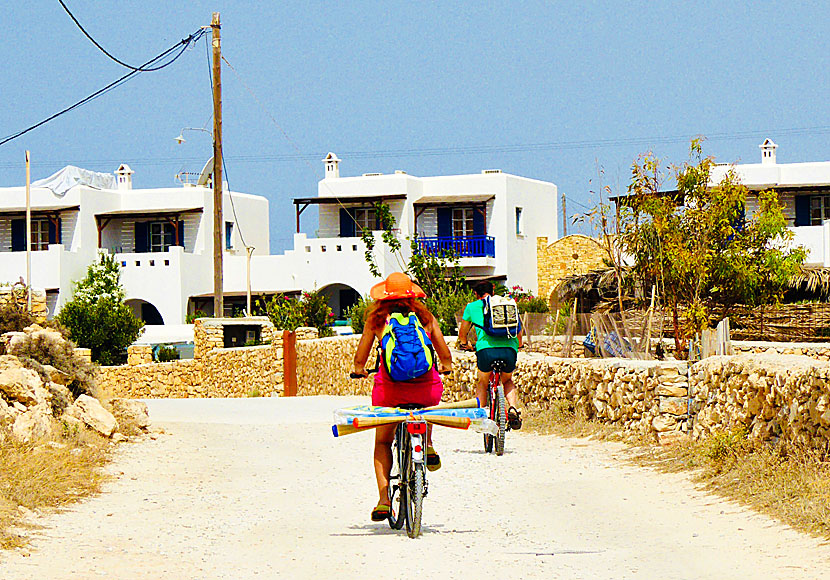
(397, 285)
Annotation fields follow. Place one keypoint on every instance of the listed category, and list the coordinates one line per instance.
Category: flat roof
(149, 212)
(454, 198)
(39, 209)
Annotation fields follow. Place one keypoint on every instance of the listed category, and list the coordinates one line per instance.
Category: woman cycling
(398, 294)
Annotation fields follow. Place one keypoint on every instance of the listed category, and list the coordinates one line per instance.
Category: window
(40, 235)
(365, 218)
(520, 226)
(462, 222)
(819, 209)
(228, 235)
(161, 236)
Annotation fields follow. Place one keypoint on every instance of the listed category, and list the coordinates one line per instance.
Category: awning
(454, 199)
(347, 199)
(243, 293)
(40, 209)
(148, 213)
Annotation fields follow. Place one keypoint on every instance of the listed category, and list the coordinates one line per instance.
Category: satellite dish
(206, 174)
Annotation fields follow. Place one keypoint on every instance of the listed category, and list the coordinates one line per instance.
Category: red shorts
(426, 390)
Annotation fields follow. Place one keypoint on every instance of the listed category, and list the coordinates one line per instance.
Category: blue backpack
(406, 348)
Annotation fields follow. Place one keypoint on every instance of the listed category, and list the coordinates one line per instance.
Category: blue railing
(465, 247)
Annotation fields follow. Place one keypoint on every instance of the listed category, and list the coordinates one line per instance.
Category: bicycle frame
(410, 452)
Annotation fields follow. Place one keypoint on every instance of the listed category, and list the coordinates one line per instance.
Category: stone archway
(145, 311)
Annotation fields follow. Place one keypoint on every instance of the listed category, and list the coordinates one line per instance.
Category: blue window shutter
(478, 222)
(169, 234)
(444, 222)
(142, 237)
(347, 229)
(18, 235)
(180, 241)
(802, 210)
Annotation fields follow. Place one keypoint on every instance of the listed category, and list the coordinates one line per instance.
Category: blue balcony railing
(465, 247)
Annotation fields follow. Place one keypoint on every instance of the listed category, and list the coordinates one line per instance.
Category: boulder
(663, 423)
(7, 414)
(94, 415)
(132, 410)
(18, 383)
(34, 424)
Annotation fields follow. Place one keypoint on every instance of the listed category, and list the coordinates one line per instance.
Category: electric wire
(98, 45)
(184, 43)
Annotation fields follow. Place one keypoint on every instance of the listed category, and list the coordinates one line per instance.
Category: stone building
(574, 254)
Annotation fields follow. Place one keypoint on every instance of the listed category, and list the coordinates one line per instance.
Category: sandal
(381, 512)
(433, 459)
(514, 418)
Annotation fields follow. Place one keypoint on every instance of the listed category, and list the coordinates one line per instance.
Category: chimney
(768, 152)
(332, 168)
(124, 177)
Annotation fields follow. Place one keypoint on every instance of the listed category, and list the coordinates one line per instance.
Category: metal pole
(28, 237)
(564, 218)
(218, 249)
(250, 250)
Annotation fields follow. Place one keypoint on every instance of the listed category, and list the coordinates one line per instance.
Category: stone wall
(18, 295)
(243, 372)
(574, 254)
(324, 364)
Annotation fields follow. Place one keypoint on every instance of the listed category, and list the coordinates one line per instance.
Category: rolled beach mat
(340, 430)
(465, 404)
(455, 422)
(361, 422)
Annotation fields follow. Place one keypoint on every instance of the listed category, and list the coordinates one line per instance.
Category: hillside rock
(34, 424)
(133, 411)
(18, 383)
(93, 414)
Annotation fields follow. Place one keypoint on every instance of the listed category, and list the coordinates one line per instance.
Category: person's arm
(463, 332)
(364, 347)
(441, 348)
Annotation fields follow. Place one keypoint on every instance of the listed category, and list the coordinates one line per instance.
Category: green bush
(105, 326)
(527, 302)
(309, 310)
(445, 307)
(357, 314)
(14, 319)
(197, 314)
(167, 353)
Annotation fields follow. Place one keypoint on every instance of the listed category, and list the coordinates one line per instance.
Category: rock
(18, 383)
(118, 438)
(663, 423)
(674, 405)
(57, 376)
(7, 414)
(92, 413)
(671, 437)
(133, 411)
(34, 424)
(672, 390)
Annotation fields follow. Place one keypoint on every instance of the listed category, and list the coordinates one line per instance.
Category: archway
(340, 297)
(144, 310)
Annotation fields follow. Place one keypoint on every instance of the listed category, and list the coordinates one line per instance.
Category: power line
(97, 45)
(184, 43)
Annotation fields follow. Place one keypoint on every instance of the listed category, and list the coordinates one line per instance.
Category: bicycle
(498, 410)
(407, 478)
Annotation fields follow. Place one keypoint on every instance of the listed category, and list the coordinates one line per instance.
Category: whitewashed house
(804, 191)
(163, 237)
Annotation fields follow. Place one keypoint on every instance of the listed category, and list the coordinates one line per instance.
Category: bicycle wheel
(501, 419)
(397, 498)
(414, 500)
(489, 439)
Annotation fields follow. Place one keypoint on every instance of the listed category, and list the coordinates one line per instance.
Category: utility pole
(28, 237)
(564, 218)
(218, 248)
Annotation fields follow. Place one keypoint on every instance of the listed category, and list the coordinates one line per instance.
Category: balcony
(463, 246)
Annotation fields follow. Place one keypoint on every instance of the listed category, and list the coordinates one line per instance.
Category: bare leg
(511, 393)
(383, 460)
(481, 388)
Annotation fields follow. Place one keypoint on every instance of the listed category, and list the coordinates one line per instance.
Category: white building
(804, 191)
(163, 237)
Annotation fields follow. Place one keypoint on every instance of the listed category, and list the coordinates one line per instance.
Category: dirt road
(258, 488)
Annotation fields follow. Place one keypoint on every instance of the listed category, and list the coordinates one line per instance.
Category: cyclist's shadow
(385, 530)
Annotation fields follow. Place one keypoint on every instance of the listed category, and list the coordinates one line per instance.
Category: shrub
(309, 310)
(357, 314)
(527, 302)
(106, 327)
(14, 319)
(48, 347)
(197, 314)
(445, 307)
(167, 353)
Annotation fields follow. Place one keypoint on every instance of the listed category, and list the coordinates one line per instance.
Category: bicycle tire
(501, 419)
(415, 501)
(488, 443)
(397, 513)
(490, 439)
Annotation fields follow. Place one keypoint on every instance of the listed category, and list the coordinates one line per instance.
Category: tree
(696, 245)
(96, 317)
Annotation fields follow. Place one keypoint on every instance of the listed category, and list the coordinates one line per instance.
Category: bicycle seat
(498, 366)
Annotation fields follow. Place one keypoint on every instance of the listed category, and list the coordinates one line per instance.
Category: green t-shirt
(474, 312)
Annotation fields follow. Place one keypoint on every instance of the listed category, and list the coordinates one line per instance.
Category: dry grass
(785, 482)
(46, 475)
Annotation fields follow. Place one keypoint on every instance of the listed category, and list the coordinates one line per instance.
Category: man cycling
(491, 348)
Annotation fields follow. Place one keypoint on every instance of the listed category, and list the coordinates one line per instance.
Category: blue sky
(565, 87)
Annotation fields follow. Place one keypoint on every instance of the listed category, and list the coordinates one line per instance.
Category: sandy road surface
(258, 488)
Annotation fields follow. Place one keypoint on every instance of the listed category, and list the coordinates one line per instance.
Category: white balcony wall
(814, 239)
